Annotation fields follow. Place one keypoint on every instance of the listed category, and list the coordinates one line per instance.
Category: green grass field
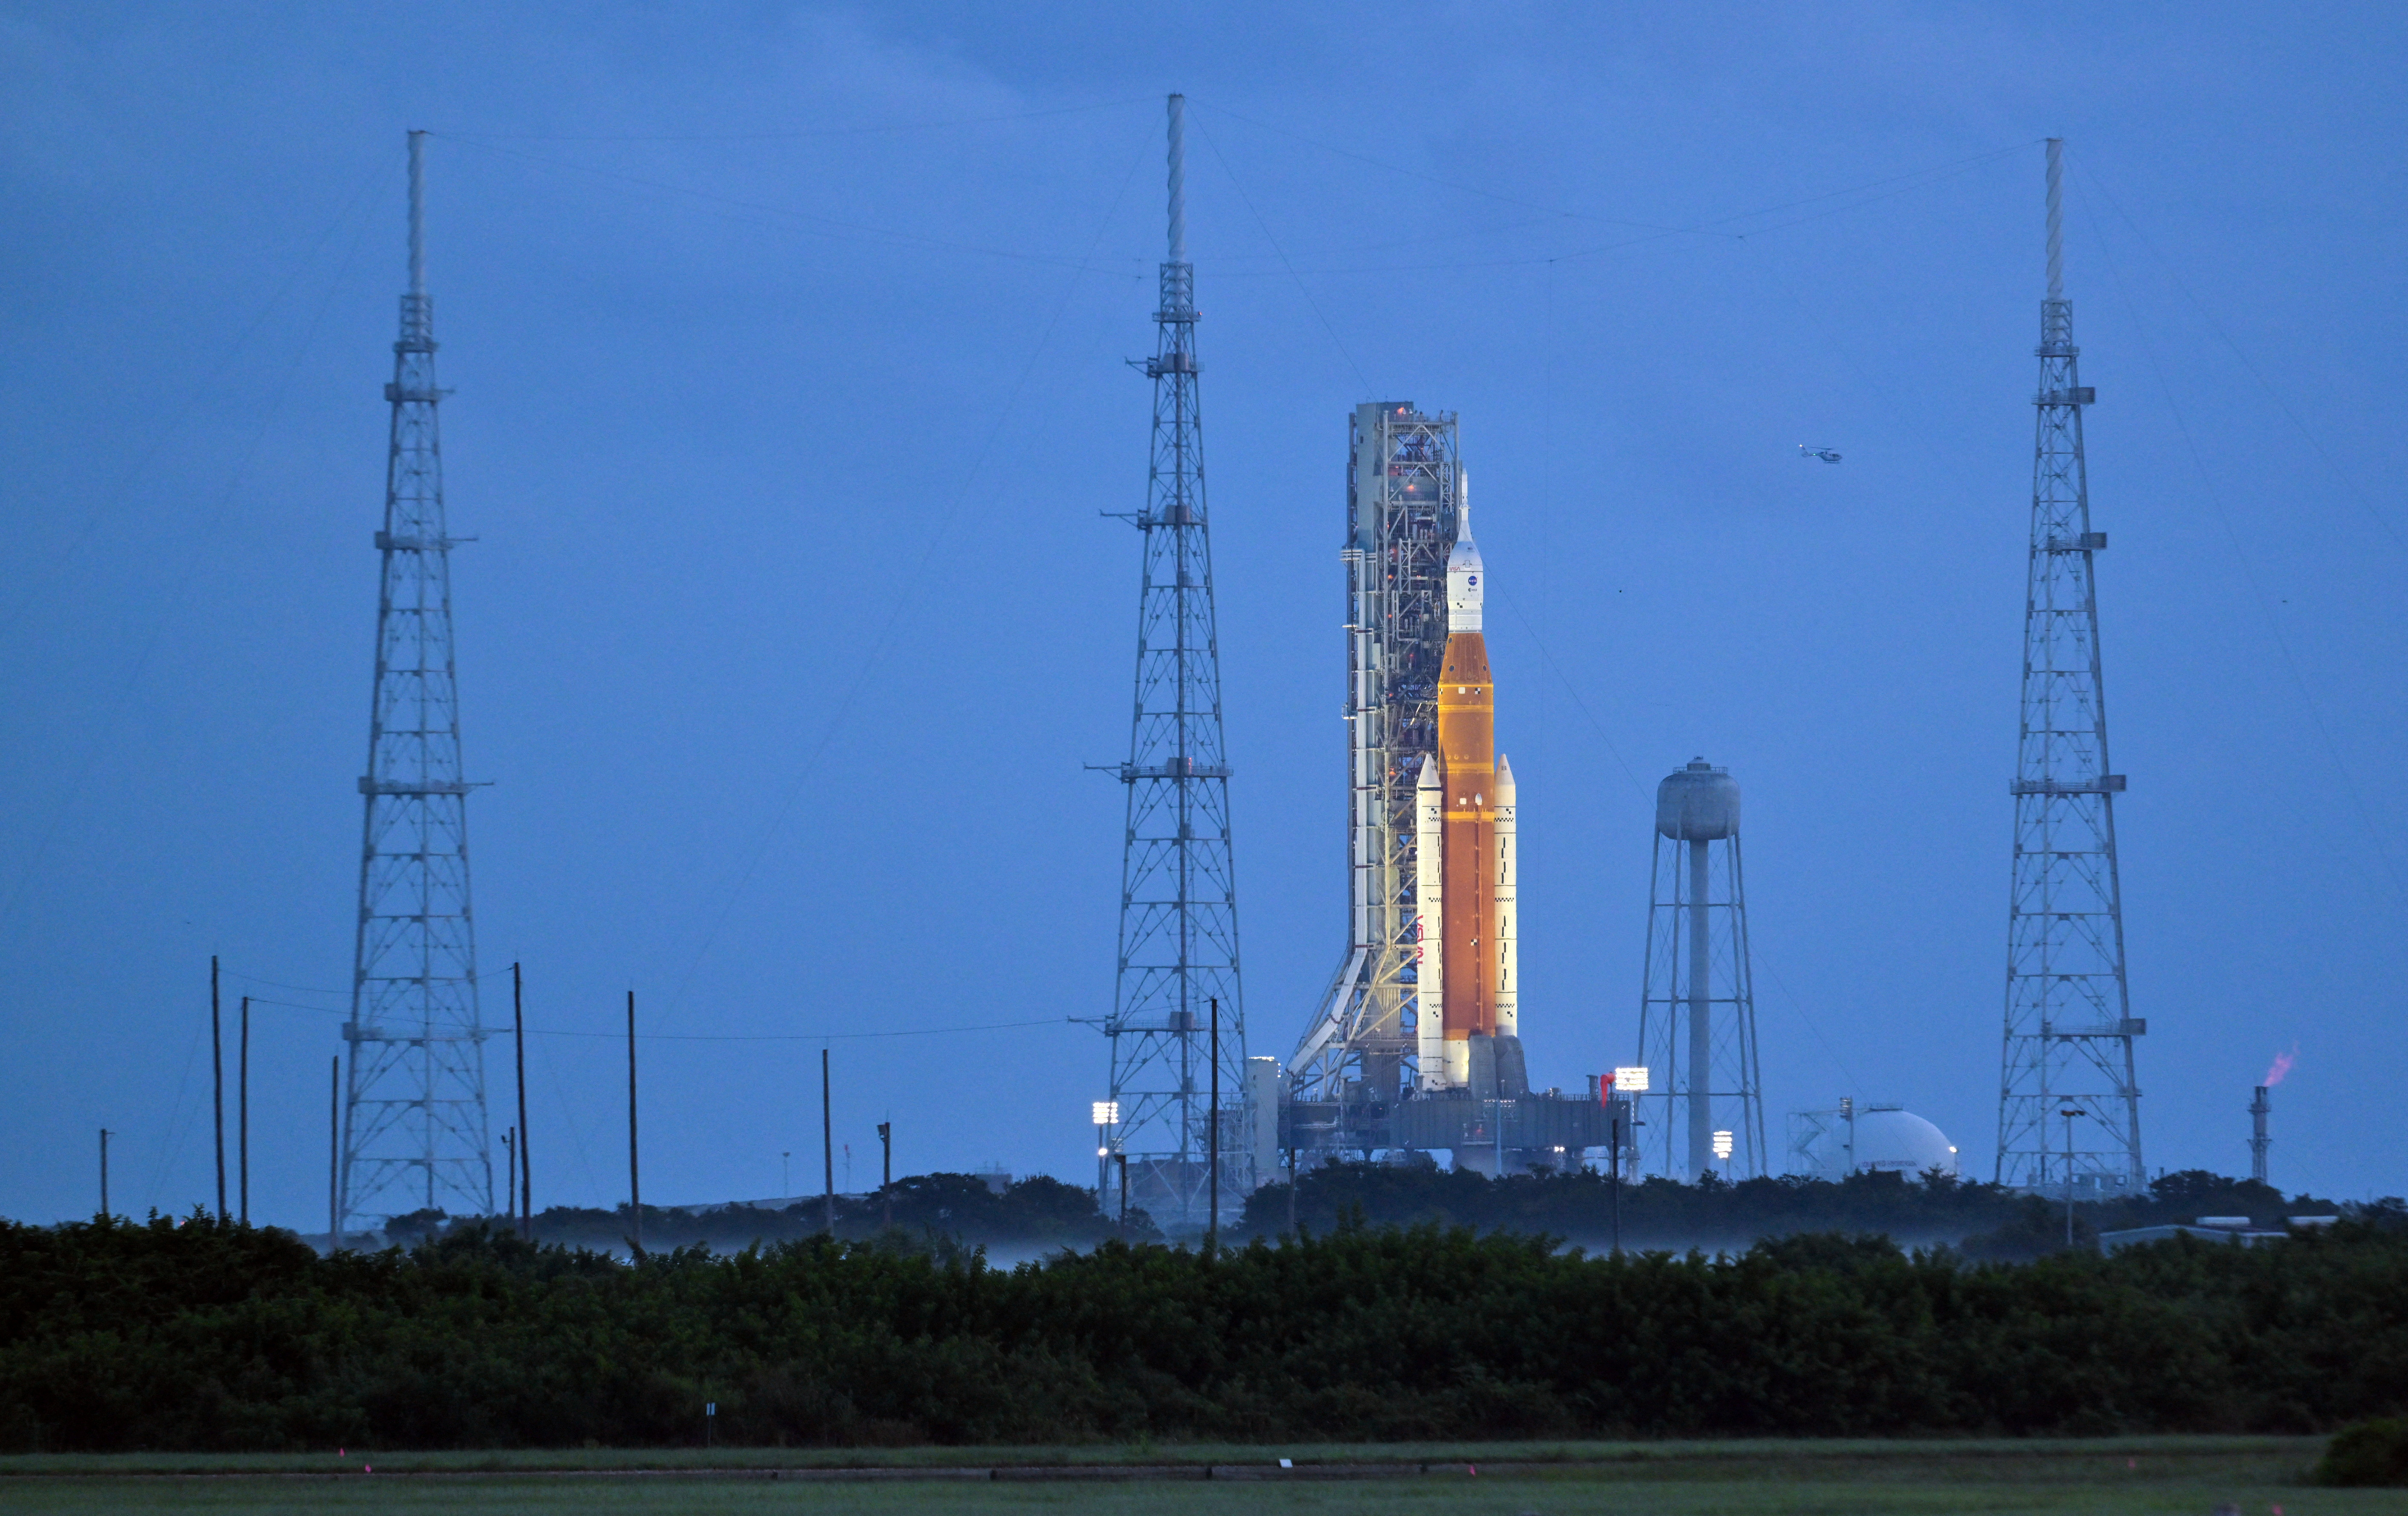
(2261, 1476)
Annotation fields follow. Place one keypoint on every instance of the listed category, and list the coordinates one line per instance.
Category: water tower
(1696, 1013)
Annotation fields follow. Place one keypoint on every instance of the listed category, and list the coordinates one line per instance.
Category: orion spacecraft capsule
(1465, 844)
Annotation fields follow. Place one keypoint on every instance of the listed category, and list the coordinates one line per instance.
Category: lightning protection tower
(414, 1131)
(1696, 1012)
(2069, 1022)
(1179, 901)
(1403, 483)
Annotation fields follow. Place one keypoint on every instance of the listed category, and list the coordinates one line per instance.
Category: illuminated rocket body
(1465, 864)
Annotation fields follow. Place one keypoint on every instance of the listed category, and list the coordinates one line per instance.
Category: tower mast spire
(414, 1126)
(1179, 907)
(2069, 1029)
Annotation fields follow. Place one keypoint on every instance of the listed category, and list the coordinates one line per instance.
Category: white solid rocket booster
(1509, 968)
(1429, 874)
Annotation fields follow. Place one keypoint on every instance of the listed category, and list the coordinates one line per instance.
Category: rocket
(1464, 840)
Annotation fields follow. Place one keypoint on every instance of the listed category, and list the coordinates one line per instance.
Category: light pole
(1623, 1083)
(1106, 1114)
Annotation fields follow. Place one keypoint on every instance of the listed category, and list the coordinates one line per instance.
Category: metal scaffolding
(1178, 962)
(2069, 1104)
(1357, 1055)
(414, 1127)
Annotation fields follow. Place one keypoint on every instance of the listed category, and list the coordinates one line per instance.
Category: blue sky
(787, 342)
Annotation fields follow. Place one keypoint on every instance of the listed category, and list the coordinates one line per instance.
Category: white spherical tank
(1886, 1140)
(1698, 804)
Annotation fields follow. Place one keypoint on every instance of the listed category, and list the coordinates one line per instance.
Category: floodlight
(1630, 1080)
(1107, 1112)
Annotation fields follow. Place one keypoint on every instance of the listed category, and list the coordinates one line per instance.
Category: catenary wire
(905, 593)
(799, 135)
(724, 1037)
(171, 604)
(2248, 569)
(857, 228)
(1248, 201)
(2272, 393)
(195, 396)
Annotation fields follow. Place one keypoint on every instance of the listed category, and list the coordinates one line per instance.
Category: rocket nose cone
(1430, 779)
(1504, 781)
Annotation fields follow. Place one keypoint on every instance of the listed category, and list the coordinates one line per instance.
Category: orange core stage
(1467, 745)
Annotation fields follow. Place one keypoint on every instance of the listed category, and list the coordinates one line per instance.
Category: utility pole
(217, 1084)
(886, 1172)
(510, 1173)
(1212, 1225)
(242, 1111)
(828, 1141)
(335, 1158)
(104, 1172)
(2070, 1027)
(2069, 1113)
(635, 1172)
(526, 1210)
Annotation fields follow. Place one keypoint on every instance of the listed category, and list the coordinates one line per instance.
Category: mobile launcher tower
(1415, 1046)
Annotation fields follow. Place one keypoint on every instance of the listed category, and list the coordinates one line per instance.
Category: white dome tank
(1887, 1141)
(1698, 804)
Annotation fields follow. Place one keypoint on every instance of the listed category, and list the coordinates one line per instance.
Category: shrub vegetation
(198, 1335)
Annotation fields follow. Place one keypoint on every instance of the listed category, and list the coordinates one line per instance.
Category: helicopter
(1829, 455)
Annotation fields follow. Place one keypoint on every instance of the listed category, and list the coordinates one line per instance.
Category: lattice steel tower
(1179, 902)
(1403, 485)
(414, 1131)
(2068, 1024)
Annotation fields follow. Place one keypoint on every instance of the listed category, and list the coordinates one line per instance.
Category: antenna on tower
(1179, 178)
(2070, 1027)
(1179, 903)
(418, 214)
(414, 1128)
(2057, 218)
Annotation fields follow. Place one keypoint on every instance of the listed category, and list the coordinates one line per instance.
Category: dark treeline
(1982, 1220)
(1036, 1213)
(1040, 1214)
(202, 1336)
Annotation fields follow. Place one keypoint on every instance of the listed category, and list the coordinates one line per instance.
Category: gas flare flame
(2281, 1065)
